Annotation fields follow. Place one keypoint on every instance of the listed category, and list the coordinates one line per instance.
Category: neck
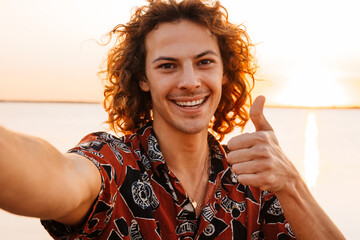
(183, 152)
(187, 156)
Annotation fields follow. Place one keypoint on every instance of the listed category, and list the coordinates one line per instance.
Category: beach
(322, 143)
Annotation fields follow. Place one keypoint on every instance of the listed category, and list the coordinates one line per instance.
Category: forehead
(180, 37)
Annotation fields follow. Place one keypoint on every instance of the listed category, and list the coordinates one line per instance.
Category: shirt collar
(151, 147)
(219, 164)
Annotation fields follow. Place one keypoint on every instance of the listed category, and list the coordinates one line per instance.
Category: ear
(144, 85)
(224, 79)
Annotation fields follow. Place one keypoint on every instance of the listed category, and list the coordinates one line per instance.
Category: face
(184, 74)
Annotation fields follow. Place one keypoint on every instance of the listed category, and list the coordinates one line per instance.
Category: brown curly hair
(129, 107)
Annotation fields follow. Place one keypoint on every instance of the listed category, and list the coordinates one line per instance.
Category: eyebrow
(211, 52)
(196, 57)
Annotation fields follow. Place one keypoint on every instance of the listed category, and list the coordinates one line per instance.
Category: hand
(257, 158)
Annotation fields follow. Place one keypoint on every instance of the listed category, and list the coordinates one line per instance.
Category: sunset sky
(308, 51)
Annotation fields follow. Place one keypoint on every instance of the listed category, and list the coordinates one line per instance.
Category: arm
(37, 180)
(306, 217)
(258, 160)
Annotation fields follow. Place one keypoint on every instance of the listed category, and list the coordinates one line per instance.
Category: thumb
(257, 115)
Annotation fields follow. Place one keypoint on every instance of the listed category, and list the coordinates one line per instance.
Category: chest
(155, 206)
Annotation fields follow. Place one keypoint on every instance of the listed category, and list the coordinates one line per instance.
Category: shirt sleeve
(272, 219)
(98, 148)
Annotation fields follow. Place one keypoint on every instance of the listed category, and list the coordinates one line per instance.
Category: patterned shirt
(141, 198)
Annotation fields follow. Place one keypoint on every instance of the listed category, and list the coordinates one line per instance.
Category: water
(323, 144)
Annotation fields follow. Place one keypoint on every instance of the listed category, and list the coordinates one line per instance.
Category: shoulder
(102, 145)
(96, 139)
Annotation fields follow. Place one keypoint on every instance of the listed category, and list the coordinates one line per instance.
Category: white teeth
(193, 103)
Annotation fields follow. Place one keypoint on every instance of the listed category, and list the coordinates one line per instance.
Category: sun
(312, 87)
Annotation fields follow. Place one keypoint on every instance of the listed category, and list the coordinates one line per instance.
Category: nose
(188, 79)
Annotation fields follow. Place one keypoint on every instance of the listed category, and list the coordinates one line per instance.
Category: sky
(307, 51)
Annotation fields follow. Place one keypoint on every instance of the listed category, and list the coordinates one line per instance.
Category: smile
(190, 104)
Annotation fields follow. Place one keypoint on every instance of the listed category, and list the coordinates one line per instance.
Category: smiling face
(184, 74)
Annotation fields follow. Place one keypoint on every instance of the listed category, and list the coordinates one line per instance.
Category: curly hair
(129, 107)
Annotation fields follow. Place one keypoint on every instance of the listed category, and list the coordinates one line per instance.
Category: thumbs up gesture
(257, 158)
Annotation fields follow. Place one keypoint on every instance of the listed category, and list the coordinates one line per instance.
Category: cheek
(217, 81)
(163, 82)
(159, 87)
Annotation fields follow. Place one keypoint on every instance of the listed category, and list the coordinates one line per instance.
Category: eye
(167, 66)
(205, 62)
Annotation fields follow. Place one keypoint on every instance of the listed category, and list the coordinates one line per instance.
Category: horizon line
(100, 102)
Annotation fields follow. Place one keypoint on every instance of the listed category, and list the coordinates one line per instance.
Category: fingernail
(234, 177)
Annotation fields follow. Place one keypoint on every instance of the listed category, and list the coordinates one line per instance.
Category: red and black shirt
(141, 198)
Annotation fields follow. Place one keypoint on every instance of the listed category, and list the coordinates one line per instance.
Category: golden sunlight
(311, 151)
(312, 87)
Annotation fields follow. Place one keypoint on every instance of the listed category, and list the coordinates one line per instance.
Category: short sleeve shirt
(140, 198)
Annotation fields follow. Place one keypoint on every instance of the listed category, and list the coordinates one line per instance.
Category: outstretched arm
(37, 180)
(258, 161)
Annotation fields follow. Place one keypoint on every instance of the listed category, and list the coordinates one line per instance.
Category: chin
(191, 128)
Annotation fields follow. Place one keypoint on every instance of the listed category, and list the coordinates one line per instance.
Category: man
(176, 71)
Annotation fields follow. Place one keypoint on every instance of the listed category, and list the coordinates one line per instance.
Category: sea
(323, 144)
